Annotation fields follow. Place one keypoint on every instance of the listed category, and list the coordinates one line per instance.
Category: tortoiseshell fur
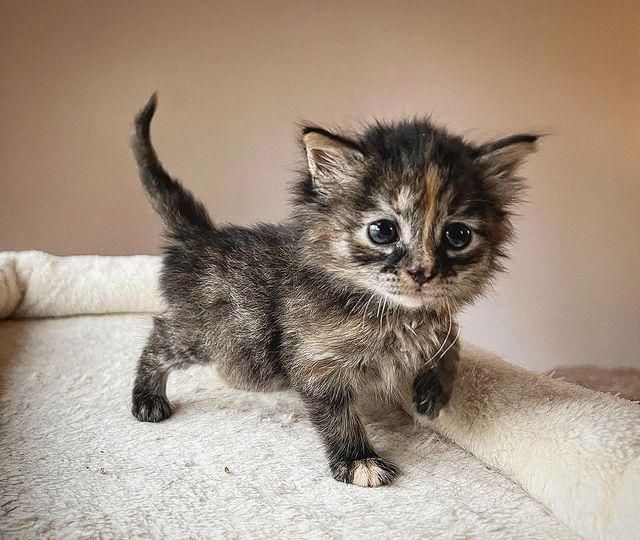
(313, 304)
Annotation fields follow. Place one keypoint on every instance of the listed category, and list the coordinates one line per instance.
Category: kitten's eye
(383, 231)
(457, 236)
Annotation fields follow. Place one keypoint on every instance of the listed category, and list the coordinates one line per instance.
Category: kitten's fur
(314, 304)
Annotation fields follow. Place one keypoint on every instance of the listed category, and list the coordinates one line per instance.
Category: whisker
(364, 311)
(382, 314)
(357, 302)
(452, 343)
(444, 341)
(412, 330)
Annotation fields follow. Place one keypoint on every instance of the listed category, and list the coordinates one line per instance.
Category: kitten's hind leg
(149, 399)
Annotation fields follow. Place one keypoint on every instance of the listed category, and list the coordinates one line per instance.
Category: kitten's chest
(404, 350)
(408, 342)
(377, 355)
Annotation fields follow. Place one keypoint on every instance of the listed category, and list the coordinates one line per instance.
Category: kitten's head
(408, 211)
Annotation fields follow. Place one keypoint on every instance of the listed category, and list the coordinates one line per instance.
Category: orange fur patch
(432, 179)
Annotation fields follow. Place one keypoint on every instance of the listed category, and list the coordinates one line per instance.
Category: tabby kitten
(392, 231)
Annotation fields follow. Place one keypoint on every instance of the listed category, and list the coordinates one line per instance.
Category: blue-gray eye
(457, 236)
(383, 231)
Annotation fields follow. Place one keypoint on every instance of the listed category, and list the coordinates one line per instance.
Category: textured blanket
(75, 463)
(229, 463)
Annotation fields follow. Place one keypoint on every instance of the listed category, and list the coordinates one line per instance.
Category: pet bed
(514, 454)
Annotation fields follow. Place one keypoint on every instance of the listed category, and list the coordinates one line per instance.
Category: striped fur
(314, 304)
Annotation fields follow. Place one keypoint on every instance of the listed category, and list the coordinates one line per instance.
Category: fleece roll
(575, 450)
(36, 284)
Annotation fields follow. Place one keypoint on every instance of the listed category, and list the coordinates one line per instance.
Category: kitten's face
(409, 212)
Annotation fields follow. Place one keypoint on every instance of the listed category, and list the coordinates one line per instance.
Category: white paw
(369, 472)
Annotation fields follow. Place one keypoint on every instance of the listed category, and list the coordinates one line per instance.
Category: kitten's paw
(428, 395)
(150, 408)
(369, 472)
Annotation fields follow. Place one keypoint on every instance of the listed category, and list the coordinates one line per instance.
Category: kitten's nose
(419, 275)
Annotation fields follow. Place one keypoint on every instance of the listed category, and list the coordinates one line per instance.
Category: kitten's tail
(180, 211)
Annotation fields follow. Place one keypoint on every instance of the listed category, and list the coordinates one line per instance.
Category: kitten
(392, 232)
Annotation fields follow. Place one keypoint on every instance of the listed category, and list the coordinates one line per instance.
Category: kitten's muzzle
(420, 275)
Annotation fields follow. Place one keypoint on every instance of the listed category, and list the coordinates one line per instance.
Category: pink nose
(419, 275)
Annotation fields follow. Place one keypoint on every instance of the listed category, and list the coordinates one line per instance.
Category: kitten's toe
(150, 408)
(428, 395)
(369, 472)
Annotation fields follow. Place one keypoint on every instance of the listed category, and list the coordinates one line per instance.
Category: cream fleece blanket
(36, 284)
(65, 407)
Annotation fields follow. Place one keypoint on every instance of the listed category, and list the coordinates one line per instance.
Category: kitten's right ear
(333, 160)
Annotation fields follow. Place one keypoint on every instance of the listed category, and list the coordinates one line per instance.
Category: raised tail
(181, 212)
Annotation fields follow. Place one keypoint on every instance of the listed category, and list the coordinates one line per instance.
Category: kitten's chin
(407, 301)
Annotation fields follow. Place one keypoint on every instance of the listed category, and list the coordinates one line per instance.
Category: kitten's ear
(333, 160)
(505, 156)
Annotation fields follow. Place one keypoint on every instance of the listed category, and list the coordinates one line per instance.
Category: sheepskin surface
(75, 463)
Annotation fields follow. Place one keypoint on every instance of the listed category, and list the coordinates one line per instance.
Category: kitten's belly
(236, 378)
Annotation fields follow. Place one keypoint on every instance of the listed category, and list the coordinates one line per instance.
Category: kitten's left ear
(505, 156)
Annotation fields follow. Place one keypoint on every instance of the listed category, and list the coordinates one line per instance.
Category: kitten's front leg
(432, 386)
(351, 457)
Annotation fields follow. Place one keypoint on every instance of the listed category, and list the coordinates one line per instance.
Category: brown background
(234, 77)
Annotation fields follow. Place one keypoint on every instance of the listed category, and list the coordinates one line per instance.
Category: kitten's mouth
(413, 292)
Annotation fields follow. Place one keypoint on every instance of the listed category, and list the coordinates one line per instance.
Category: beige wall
(234, 77)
